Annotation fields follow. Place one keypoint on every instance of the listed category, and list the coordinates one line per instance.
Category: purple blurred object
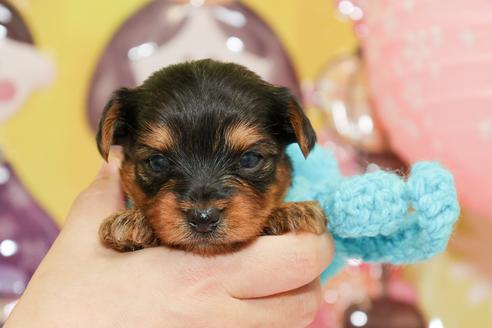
(26, 230)
(26, 233)
(165, 32)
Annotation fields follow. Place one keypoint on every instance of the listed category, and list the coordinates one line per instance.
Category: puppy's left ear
(296, 124)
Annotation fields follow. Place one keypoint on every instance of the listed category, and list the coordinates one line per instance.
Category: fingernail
(115, 156)
(114, 162)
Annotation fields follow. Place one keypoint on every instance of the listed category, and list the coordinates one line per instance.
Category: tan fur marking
(242, 136)
(246, 216)
(166, 217)
(158, 137)
(248, 212)
(296, 122)
(107, 130)
(127, 173)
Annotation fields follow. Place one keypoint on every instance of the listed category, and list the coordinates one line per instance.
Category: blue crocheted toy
(378, 216)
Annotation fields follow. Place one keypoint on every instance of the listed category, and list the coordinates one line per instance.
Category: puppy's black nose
(203, 220)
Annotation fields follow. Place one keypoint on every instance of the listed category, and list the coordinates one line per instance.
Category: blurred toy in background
(166, 32)
(453, 289)
(24, 68)
(354, 298)
(393, 306)
(26, 230)
(341, 94)
(471, 241)
(429, 71)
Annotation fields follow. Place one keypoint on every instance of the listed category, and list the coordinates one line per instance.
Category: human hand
(271, 283)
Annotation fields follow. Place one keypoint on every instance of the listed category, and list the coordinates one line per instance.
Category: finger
(103, 196)
(275, 264)
(296, 308)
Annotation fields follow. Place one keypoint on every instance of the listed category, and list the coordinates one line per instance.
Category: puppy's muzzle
(203, 220)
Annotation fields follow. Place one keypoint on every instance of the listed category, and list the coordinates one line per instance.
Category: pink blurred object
(430, 66)
(358, 286)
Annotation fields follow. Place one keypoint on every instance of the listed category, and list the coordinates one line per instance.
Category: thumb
(103, 196)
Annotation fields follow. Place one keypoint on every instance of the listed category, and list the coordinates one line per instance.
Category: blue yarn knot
(377, 216)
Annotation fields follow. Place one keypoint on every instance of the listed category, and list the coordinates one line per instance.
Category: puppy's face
(204, 152)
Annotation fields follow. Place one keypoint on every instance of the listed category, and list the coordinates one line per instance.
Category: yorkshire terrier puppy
(204, 160)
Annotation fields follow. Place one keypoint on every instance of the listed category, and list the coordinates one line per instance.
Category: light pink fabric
(430, 66)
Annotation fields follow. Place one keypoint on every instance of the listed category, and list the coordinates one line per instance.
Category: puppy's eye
(250, 160)
(158, 163)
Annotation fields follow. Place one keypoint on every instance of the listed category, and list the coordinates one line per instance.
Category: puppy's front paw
(297, 216)
(127, 231)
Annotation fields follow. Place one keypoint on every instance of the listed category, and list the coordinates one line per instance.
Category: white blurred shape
(365, 124)
(7, 309)
(356, 14)
(18, 287)
(436, 323)
(346, 7)
(197, 3)
(230, 17)
(485, 130)
(8, 247)
(354, 262)
(4, 175)
(141, 51)
(330, 296)
(235, 44)
(478, 292)
(372, 167)
(5, 14)
(468, 38)
(3, 32)
(358, 318)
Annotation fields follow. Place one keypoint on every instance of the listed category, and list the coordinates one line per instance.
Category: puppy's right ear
(115, 120)
(296, 125)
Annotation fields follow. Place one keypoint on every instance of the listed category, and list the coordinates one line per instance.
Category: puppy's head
(204, 150)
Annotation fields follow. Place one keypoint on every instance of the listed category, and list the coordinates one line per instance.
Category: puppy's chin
(210, 248)
(220, 241)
